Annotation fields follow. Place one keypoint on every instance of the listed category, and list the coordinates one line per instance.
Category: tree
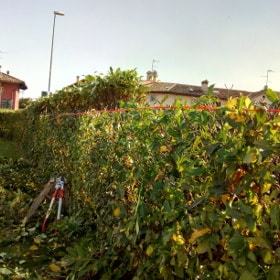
(109, 90)
(99, 92)
(24, 102)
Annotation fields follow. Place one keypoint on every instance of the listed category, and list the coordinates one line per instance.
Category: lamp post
(56, 13)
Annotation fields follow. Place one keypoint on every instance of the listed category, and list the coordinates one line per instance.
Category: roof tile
(5, 78)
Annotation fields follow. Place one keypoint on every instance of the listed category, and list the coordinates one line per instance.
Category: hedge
(180, 193)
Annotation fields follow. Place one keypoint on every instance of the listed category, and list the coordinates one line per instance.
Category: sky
(231, 43)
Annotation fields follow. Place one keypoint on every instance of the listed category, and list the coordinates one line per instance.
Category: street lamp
(56, 13)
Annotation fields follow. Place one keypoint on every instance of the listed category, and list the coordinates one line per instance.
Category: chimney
(8, 72)
(77, 79)
(155, 75)
(152, 75)
(204, 85)
(149, 76)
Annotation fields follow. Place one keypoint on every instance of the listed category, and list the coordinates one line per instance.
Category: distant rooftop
(191, 90)
(157, 86)
(7, 78)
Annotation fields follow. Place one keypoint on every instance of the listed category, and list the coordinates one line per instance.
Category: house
(165, 93)
(9, 91)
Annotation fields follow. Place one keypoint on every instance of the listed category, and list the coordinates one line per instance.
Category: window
(153, 99)
(6, 103)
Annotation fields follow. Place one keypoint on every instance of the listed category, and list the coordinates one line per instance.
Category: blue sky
(232, 43)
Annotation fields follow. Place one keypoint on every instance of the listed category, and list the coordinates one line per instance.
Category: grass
(9, 149)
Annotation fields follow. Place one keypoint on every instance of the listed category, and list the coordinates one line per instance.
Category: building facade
(164, 93)
(9, 91)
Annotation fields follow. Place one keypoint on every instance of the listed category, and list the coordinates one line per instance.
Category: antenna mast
(267, 73)
(154, 61)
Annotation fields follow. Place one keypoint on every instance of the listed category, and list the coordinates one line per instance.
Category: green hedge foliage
(165, 194)
(180, 193)
(10, 125)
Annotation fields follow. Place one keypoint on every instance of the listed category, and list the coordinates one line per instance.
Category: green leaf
(143, 210)
(212, 148)
(181, 257)
(179, 271)
(166, 206)
(273, 273)
(173, 261)
(257, 242)
(271, 95)
(275, 215)
(5, 271)
(196, 202)
(237, 243)
(247, 275)
(261, 117)
(203, 246)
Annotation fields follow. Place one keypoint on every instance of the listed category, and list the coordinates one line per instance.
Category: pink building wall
(10, 92)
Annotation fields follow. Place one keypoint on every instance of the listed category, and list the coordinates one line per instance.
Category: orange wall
(10, 91)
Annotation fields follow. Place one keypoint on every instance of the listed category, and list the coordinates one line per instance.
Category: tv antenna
(228, 89)
(267, 73)
(153, 63)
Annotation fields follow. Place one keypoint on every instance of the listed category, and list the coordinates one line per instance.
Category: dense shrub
(167, 194)
(180, 193)
(10, 124)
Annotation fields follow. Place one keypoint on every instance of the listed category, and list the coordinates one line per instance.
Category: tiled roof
(5, 78)
(190, 90)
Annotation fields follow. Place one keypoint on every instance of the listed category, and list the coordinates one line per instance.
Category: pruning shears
(58, 193)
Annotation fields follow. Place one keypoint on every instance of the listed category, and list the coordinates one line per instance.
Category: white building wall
(154, 99)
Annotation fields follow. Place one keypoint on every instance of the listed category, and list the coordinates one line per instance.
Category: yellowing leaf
(163, 149)
(149, 250)
(267, 258)
(63, 263)
(53, 267)
(247, 102)
(225, 198)
(37, 240)
(254, 199)
(252, 132)
(117, 212)
(241, 118)
(33, 248)
(179, 239)
(266, 187)
(250, 158)
(232, 103)
(237, 117)
(198, 233)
